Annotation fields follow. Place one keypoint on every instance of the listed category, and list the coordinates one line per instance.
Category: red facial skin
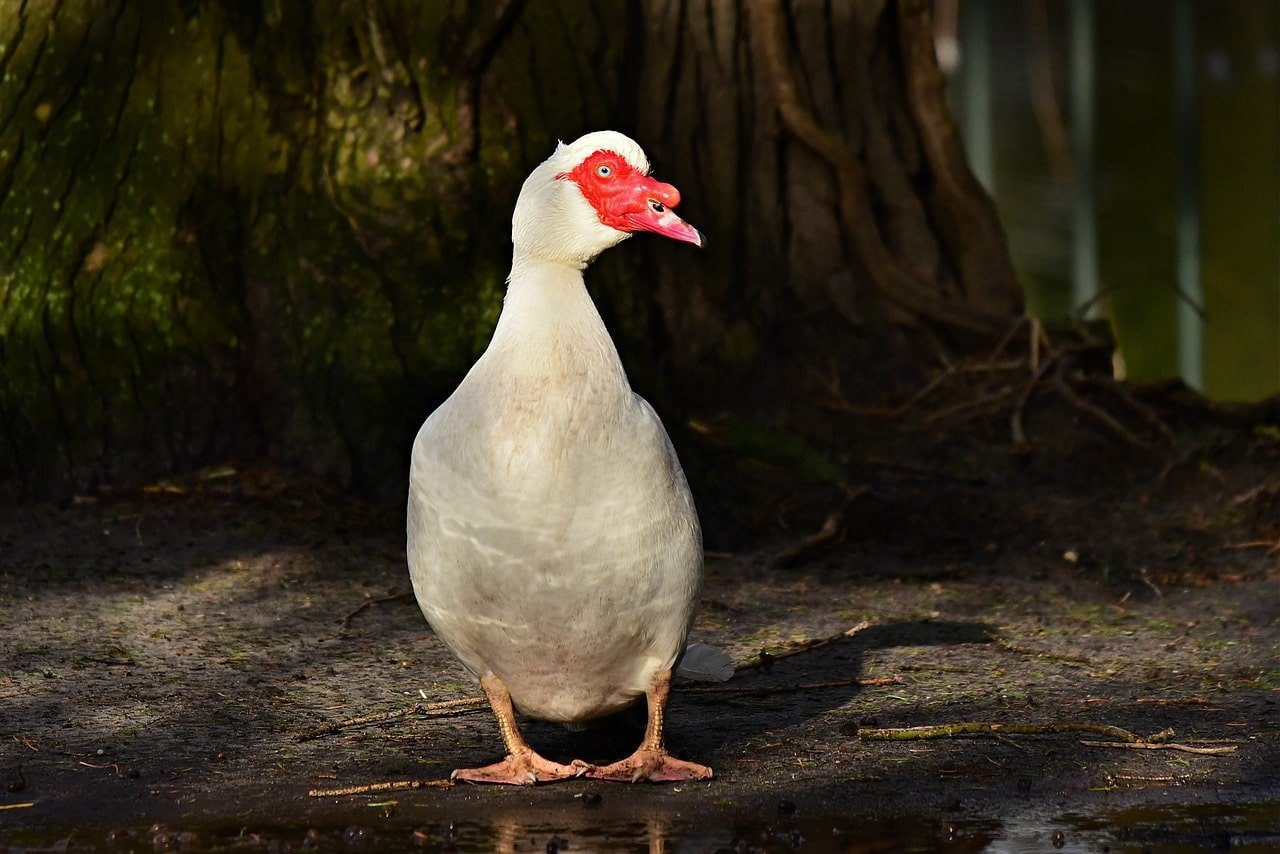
(628, 200)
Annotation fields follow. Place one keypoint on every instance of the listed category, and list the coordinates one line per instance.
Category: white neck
(549, 325)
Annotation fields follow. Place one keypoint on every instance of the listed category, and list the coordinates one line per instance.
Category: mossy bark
(230, 229)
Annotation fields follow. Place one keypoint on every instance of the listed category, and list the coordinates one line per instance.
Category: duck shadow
(705, 720)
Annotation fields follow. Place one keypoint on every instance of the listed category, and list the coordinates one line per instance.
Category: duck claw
(654, 766)
(526, 769)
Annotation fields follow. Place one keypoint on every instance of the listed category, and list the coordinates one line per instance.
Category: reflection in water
(576, 828)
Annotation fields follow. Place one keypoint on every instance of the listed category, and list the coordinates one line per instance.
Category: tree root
(897, 284)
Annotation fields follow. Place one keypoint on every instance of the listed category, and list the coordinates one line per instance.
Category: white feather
(703, 663)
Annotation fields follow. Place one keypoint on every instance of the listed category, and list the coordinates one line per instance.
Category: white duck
(553, 542)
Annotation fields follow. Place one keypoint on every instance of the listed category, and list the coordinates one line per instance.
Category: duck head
(592, 194)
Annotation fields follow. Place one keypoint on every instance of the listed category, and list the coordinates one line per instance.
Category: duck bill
(668, 225)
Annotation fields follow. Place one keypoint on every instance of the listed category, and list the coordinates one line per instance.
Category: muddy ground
(163, 650)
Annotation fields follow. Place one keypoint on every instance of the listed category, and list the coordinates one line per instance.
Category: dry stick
(1167, 745)
(1252, 544)
(387, 786)
(830, 528)
(767, 658)
(346, 621)
(765, 690)
(1126, 739)
(444, 708)
(918, 733)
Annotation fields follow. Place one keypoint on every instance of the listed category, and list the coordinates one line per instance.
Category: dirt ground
(163, 650)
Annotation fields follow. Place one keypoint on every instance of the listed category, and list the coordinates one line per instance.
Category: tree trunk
(233, 229)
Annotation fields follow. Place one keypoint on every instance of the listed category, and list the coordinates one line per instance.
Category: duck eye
(604, 171)
(657, 206)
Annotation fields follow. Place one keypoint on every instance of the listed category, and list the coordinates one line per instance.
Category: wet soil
(163, 650)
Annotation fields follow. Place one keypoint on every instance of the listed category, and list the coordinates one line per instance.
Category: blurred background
(278, 230)
(1133, 153)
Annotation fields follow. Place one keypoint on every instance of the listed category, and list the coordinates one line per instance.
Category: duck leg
(651, 761)
(521, 766)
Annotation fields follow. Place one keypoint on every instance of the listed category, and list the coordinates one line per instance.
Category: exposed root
(1098, 415)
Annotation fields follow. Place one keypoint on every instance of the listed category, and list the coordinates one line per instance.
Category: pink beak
(649, 209)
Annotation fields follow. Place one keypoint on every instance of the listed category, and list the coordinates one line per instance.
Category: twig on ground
(443, 708)
(1272, 546)
(1167, 745)
(22, 806)
(1248, 495)
(766, 659)
(1124, 738)
(346, 621)
(113, 766)
(1174, 701)
(765, 690)
(386, 786)
(1146, 579)
(918, 733)
(1042, 653)
(830, 528)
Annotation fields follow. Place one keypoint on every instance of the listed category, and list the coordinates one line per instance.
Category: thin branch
(766, 690)
(830, 528)
(918, 733)
(442, 709)
(385, 786)
(766, 659)
(1184, 748)
(346, 621)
